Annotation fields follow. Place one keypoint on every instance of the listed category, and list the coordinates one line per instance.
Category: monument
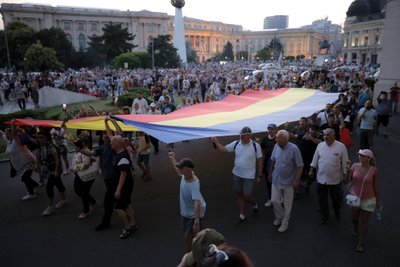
(179, 30)
(390, 58)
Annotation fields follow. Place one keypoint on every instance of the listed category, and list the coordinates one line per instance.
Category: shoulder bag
(354, 201)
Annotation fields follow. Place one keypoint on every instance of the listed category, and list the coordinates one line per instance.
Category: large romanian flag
(254, 109)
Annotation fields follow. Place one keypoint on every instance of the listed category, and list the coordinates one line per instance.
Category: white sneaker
(277, 222)
(29, 197)
(48, 211)
(61, 203)
(283, 228)
(268, 203)
(83, 215)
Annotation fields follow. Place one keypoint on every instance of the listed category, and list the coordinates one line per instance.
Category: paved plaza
(29, 239)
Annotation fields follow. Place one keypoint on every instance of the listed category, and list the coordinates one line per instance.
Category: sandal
(126, 232)
(360, 248)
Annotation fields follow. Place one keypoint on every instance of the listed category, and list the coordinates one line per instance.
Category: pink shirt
(368, 189)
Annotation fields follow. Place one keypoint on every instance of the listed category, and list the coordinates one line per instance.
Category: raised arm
(217, 144)
(171, 156)
(94, 110)
(118, 130)
(108, 129)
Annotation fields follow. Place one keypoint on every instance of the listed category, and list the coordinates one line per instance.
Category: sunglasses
(219, 255)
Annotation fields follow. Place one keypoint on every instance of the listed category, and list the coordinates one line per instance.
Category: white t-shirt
(368, 121)
(245, 158)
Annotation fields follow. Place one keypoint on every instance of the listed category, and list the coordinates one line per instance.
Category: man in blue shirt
(286, 169)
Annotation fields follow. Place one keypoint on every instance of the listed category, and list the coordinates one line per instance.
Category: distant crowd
(197, 83)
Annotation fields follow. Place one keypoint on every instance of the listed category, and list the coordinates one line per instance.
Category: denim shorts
(243, 185)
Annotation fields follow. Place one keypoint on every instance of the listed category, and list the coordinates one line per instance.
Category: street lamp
(6, 41)
(152, 52)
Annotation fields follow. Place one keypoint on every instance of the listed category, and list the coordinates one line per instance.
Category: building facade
(207, 38)
(276, 22)
(363, 32)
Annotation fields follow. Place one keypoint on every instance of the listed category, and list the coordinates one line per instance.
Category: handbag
(354, 201)
(90, 173)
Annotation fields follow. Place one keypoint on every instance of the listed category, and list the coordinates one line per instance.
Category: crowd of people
(196, 83)
(289, 158)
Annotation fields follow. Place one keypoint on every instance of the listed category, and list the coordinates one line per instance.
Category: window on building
(374, 59)
(150, 27)
(93, 26)
(377, 40)
(366, 43)
(67, 25)
(355, 42)
(29, 23)
(69, 37)
(81, 26)
(354, 58)
(82, 42)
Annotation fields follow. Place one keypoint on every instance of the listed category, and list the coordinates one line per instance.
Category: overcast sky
(249, 13)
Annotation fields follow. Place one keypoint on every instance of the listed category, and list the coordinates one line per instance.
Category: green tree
(264, 53)
(20, 37)
(165, 54)
(191, 54)
(272, 50)
(227, 53)
(57, 39)
(134, 60)
(39, 58)
(114, 41)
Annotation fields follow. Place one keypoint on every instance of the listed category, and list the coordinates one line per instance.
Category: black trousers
(54, 181)
(30, 184)
(335, 193)
(82, 189)
(109, 200)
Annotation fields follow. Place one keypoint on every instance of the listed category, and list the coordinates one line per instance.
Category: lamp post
(152, 52)
(7, 49)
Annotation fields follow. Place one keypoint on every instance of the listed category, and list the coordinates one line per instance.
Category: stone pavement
(12, 106)
(29, 239)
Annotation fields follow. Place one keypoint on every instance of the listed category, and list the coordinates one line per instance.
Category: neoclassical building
(363, 32)
(207, 38)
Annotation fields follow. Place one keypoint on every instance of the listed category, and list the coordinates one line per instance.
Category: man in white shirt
(322, 117)
(367, 117)
(330, 161)
(144, 107)
(248, 168)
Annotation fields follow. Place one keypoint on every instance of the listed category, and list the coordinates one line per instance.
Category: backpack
(254, 146)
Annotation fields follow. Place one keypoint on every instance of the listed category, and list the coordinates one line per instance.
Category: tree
(273, 49)
(191, 54)
(227, 53)
(114, 41)
(57, 39)
(39, 58)
(165, 54)
(134, 60)
(20, 37)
